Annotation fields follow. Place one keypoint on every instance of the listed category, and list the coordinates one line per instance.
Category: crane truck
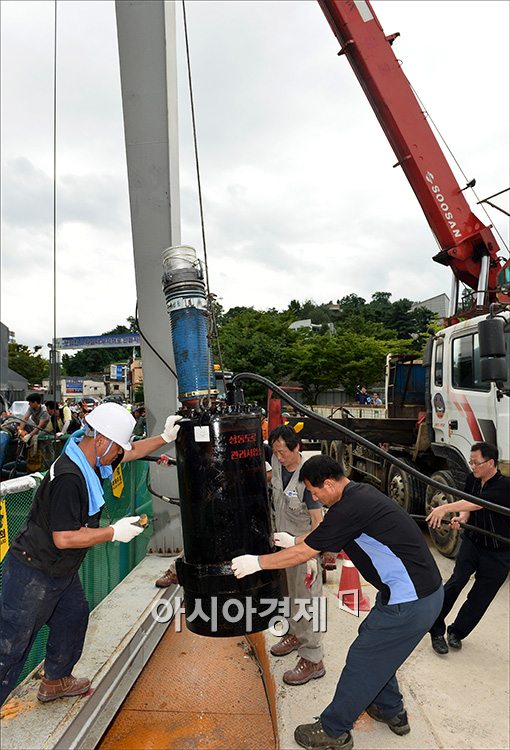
(436, 408)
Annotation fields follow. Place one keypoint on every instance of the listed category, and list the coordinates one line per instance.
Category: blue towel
(94, 485)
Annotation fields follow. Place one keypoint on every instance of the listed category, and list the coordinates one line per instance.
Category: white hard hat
(114, 422)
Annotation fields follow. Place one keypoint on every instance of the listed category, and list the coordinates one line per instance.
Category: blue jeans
(5, 439)
(385, 639)
(29, 600)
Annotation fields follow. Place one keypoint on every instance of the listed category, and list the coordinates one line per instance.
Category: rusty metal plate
(197, 693)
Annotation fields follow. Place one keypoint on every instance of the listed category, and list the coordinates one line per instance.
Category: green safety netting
(105, 564)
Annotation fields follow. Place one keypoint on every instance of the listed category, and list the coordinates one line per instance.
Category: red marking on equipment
(245, 453)
(463, 405)
(240, 439)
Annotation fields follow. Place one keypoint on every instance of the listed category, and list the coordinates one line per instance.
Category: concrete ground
(454, 702)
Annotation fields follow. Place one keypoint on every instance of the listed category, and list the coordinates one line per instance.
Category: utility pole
(54, 374)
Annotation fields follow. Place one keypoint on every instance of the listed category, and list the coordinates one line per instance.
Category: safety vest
(34, 544)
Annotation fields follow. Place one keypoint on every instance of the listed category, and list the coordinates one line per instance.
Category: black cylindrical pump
(225, 512)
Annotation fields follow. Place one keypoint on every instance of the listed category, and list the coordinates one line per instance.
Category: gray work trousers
(303, 629)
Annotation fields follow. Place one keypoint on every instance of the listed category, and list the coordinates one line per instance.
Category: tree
(351, 305)
(253, 341)
(313, 361)
(346, 358)
(309, 310)
(261, 342)
(28, 363)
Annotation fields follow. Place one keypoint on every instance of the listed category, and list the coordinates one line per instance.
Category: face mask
(105, 471)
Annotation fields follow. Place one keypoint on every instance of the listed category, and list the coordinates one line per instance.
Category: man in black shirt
(40, 571)
(388, 549)
(488, 558)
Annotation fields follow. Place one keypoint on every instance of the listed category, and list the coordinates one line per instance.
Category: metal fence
(105, 564)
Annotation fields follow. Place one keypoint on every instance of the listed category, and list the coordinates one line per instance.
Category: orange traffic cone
(349, 590)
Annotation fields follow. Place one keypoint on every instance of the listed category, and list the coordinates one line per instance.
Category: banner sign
(117, 481)
(74, 386)
(113, 340)
(117, 372)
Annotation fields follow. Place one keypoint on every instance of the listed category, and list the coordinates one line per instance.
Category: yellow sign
(117, 481)
(4, 531)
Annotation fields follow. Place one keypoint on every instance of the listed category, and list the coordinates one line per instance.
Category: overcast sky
(301, 200)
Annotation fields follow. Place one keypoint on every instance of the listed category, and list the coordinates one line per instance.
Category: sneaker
(168, 578)
(398, 724)
(303, 672)
(454, 641)
(287, 645)
(312, 736)
(65, 687)
(439, 644)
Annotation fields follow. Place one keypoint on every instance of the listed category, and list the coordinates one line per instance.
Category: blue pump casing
(186, 302)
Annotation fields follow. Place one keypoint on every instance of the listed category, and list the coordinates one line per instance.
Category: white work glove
(282, 539)
(171, 428)
(245, 565)
(26, 438)
(312, 571)
(124, 531)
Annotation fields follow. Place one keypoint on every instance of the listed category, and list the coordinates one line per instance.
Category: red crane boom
(467, 245)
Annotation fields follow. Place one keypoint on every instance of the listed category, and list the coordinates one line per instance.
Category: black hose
(171, 500)
(367, 444)
(154, 459)
(469, 527)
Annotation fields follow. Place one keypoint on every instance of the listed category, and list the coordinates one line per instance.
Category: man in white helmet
(40, 571)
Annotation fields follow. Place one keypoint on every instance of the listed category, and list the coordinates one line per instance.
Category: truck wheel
(446, 540)
(335, 448)
(403, 488)
(325, 447)
(342, 453)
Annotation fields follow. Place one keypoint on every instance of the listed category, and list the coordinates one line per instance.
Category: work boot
(439, 644)
(168, 578)
(65, 687)
(303, 672)
(398, 724)
(286, 645)
(312, 736)
(454, 641)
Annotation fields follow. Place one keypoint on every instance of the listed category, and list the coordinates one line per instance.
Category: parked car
(91, 401)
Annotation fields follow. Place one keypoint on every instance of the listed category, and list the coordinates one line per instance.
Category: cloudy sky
(301, 201)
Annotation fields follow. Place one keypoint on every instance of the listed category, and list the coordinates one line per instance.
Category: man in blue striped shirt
(389, 550)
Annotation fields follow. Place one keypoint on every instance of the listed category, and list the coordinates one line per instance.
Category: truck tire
(445, 539)
(342, 453)
(325, 447)
(403, 488)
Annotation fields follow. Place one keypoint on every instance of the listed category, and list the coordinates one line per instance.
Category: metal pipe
(454, 296)
(483, 281)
